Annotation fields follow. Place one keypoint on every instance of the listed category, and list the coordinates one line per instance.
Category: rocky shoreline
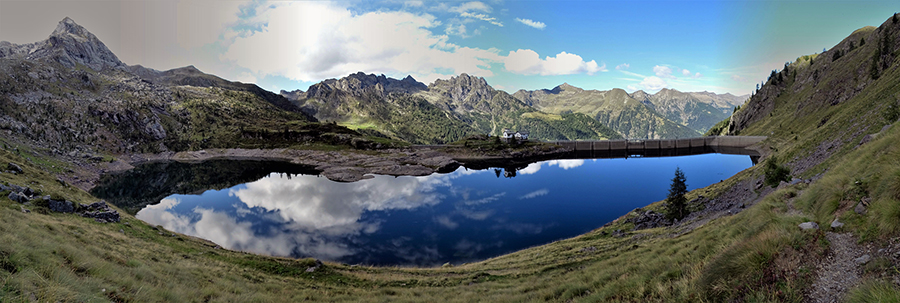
(342, 166)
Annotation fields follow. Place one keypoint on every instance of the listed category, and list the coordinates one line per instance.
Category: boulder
(808, 225)
(60, 206)
(15, 168)
(17, 197)
(863, 260)
(836, 224)
(860, 209)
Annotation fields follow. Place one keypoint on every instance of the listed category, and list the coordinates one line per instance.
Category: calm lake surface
(463, 216)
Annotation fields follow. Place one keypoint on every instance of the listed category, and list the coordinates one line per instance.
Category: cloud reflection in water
(463, 216)
(305, 215)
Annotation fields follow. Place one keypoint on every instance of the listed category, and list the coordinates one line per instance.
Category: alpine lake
(282, 209)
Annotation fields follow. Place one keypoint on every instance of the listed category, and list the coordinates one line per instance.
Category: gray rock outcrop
(17, 197)
(649, 219)
(100, 211)
(14, 168)
(60, 206)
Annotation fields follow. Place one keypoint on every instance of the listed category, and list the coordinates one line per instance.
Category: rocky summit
(69, 45)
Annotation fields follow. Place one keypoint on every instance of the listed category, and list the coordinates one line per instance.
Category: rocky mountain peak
(565, 87)
(464, 89)
(68, 27)
(70, 44)
(361, 83)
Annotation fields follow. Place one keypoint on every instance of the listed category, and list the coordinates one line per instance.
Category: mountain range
(466, 104)
(71, 92)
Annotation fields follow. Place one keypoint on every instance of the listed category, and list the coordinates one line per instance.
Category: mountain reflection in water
(463, 216)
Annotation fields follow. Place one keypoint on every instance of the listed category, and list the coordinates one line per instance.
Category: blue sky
(719, 46)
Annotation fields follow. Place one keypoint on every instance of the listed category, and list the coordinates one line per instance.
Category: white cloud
(632, 88)
(738, 78)
(632, 74)
(687, 73)
(622, 66)
(482, 17)
(310, 41)
(528, 62)
(486, 200)
(531, 168)
(535, 194)
(654, 83)
(458, 30)
(446, 222)
(566, 164)
(532, 23)
(471, 6)
(663, 72)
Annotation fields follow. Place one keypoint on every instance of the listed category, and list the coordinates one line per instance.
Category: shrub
(776, 173)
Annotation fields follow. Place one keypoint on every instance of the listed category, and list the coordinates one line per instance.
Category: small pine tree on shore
(676, 203)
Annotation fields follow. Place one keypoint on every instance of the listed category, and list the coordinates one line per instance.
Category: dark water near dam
(279, 209)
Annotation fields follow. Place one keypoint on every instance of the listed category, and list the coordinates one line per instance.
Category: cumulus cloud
(622, 66)
(532, 23)
(528, 62)
(654, 83)
(685, 72)
(311, 41)
(663, 72)
(697, 76)
(530, 169)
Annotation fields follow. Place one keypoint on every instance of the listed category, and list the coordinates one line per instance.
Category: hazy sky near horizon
(719, 46)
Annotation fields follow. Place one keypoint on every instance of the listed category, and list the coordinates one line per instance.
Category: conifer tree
(676, 202)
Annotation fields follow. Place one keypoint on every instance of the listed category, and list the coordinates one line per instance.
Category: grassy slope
(68, 258)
